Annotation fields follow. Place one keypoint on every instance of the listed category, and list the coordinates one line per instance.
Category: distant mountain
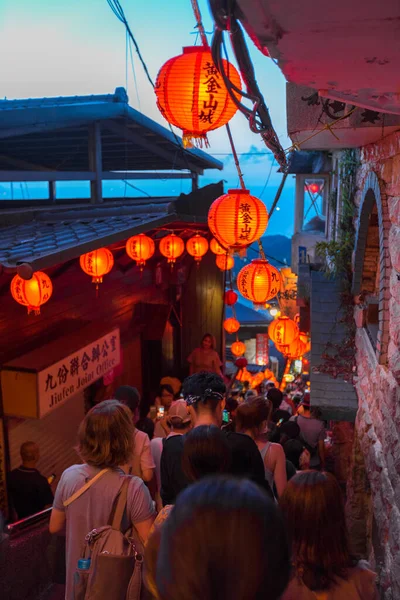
(277, 248)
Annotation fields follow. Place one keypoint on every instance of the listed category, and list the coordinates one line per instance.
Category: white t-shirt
(142, 458)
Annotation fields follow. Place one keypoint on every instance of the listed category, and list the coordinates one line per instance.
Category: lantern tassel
(190, 139)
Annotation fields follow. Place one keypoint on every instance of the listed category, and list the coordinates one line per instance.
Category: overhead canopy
(53, 134)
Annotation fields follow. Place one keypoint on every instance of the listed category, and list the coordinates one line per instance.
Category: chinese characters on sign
(77, 371)
(262, 349)
(245, 221)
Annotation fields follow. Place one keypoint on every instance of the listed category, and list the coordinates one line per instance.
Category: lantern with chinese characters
(230, 297)
(259, 282)
(216, 247)
(197, 247)
(294, 350)
(231, 325)
(140, 248)
(172, 247)
(191, 94)
(283, 331)
(97, 263)
(224, 262)
(238, 348)
(237, 219)
(32, 292)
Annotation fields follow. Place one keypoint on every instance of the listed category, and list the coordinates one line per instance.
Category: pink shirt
(205, 360)
(142, 458)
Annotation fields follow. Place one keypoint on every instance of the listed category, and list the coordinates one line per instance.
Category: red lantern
(191, 94)
(197, 247)
(225, 262)
(295, 350)
(306, 341)
(283, 331)
(268, 374)
(32, 292)
(172, 247)
(244, 375)
(140, 248)
(313, 188)
(238, 348)
(231, 325)
(97, 263)
(237, 219)
(259, 282)
(241, 363)
(230, 298)
(216, 247)
(257, 380)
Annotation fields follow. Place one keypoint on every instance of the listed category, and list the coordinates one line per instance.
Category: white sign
(77, 371)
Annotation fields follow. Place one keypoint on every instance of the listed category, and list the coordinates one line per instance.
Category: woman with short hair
(105, 444)
(323, 568)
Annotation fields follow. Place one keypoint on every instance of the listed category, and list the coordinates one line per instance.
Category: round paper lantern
(259, 282)
(231, 325)
(216, 247)
(230, 298)
(140, 248)
(224, 262)
(268, 374)
(283, 331)
(172, 247)
(238, 348)
(241, 363)
(306, 341)
(257, 380)
(294, 350)
(237, 219)
(197, 247)
(97, 263)
(32, 292)
(191, 94)
(244, 375)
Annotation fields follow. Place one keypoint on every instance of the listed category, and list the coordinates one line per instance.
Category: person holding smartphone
(165, 398)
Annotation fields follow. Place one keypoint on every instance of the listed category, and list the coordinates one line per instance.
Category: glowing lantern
(306, 341)
(257, 380)
(237, 219)
(216, 247)
(238, 348)
(32, 292)
(197, 247)
(283, 331)
(97, 263)
(140, 248)
(244, 375)
(313, 188)
(268, 374)
(224, 262)
(294, 350)
(259, 282)
(230, 298)
(172, 247)
(231, 325)
(191, 94)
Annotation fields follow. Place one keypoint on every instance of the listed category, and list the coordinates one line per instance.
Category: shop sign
(77, 371)
(262, 349)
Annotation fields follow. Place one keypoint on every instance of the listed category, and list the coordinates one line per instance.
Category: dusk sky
(58, 48)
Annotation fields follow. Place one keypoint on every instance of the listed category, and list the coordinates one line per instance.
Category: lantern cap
(239, 191)
(192, 49)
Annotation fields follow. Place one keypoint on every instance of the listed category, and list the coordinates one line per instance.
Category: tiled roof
(53, 238)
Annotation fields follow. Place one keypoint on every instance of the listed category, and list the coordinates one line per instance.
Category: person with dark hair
(231, 406)
(312, 505)
(312, 433)
(147, 426)
(297, 454)
(105, 444)
(29, 490)
(252, 419)
(142, 464)
(214, 520)
(205, 357)
(275, 396)
(165, 398)
(204, 394)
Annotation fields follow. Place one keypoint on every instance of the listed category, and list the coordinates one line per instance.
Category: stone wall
(378, 389)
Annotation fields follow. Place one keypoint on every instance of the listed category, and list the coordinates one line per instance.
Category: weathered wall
(378, 417)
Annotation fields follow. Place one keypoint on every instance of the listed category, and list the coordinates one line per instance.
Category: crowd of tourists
(242, 510)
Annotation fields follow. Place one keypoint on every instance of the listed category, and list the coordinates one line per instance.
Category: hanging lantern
(97, 263)
(294, 350)
(283, 331)
(238, 348)
(225, 262)
(231, 325)
(197, 247)
(230, 297)
(172, 247)
(32, 292)
(268, 374)
(244, 375)
(257, 380)
(191, 94)
(241, 363)
(216, 247)
(306, 341)
(140, 248)
(237, 219)
(259, 282)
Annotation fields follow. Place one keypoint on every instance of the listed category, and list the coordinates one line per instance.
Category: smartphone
(225, 416)
(153, 412)
(160, 412)
(51, 478)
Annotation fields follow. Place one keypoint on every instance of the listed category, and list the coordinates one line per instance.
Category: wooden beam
(23, 164)
(16, 176)
(95, 163)
(173, 156)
